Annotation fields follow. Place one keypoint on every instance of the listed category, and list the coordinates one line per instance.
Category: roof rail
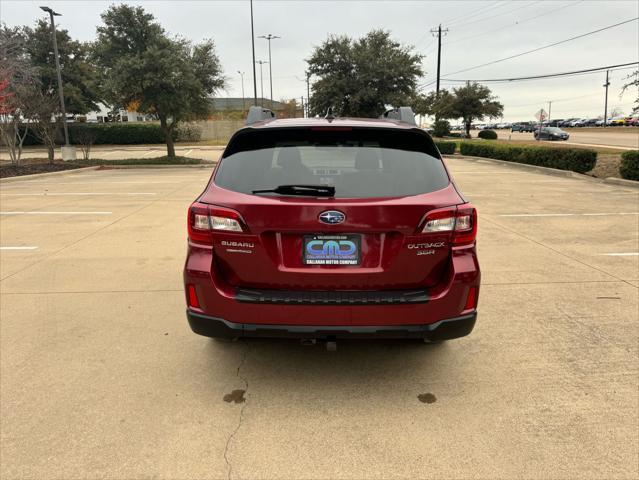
(259, 114)
(402, 114)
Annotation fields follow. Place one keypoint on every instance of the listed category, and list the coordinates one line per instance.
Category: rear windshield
(359, 163)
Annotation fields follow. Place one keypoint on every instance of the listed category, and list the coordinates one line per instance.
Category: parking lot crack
(231, 437)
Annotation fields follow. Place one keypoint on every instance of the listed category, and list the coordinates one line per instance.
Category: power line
(474, 13)
(545, 46)
(478, 20)
(549, 75)
(516, 24)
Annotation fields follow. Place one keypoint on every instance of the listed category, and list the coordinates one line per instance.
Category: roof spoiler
(259, 114)
(402, 114)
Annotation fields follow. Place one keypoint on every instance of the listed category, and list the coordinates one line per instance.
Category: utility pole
(243, 98)
(270, 37)
(607, 84)
(59, 73)
(303, 111)
(549, 107)
(439, 32)
(308, 94)
(261, 62)
(253, 48)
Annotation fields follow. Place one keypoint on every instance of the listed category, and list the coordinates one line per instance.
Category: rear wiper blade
(302, 190)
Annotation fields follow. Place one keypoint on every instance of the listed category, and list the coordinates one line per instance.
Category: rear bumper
(442, 330)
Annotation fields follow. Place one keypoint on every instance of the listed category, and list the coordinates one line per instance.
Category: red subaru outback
(332, 228)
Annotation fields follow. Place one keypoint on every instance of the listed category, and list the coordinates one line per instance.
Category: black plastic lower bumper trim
(293, 297)
(442, 330)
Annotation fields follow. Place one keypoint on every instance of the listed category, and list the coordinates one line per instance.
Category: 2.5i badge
(331, 250)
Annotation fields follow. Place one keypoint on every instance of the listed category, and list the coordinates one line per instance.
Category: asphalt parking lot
(622, 138)
(100, 376)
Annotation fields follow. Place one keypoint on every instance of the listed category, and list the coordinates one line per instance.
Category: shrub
(629, 168)
(188, 132)
(119, 133)
(487, 134)
(441, 128)
(446, 148)
(575, 159)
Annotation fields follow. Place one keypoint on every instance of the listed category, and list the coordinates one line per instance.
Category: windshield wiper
(302, 190)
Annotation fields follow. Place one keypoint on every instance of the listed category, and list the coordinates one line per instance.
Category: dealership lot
(100, 375)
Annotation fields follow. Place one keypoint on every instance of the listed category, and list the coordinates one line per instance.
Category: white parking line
(629, 254)
(54, 194)
(56, 213)
(18, 248)
(566, 214)
(486, 172)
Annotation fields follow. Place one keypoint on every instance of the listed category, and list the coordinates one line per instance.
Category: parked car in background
(631, 121)
(618, 121)
(551, 133)
(566, 122)
(553, 123)
(522, 127)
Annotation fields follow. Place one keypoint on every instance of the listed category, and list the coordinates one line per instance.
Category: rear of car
(328, 229)
(551, 133)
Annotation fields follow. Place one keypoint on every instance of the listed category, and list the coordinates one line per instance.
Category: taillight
(465, 225)
(461, 221)
(204, 219)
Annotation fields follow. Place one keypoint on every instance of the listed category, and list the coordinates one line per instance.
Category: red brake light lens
(465, 226)
(462, 221)
(204, 219)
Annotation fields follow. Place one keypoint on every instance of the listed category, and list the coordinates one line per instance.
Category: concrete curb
(622, 181)
(534, 168)
(128, 167)
(47, 174)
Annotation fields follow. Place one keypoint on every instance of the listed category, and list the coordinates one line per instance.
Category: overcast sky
(479, 32)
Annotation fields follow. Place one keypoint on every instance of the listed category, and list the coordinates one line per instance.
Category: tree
(41, 116)
(616, 112)
(362, 77)
(19, 88)
(433, 104)
(289, 108)
(633, 83)
(79, 75)
(168, 77)
(469, 102)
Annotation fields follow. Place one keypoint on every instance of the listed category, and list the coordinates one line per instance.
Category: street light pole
(243, 98)
(253, 49)
(57, 67)
(270, 37)
(261, 62)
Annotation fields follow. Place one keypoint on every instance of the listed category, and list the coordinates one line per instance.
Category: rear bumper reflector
(296, 297)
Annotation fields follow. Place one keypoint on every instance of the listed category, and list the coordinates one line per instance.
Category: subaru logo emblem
(332, 217)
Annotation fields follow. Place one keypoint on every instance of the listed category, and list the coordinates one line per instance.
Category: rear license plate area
(331, 250)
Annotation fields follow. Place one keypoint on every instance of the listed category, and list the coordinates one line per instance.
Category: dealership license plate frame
(333, 255)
